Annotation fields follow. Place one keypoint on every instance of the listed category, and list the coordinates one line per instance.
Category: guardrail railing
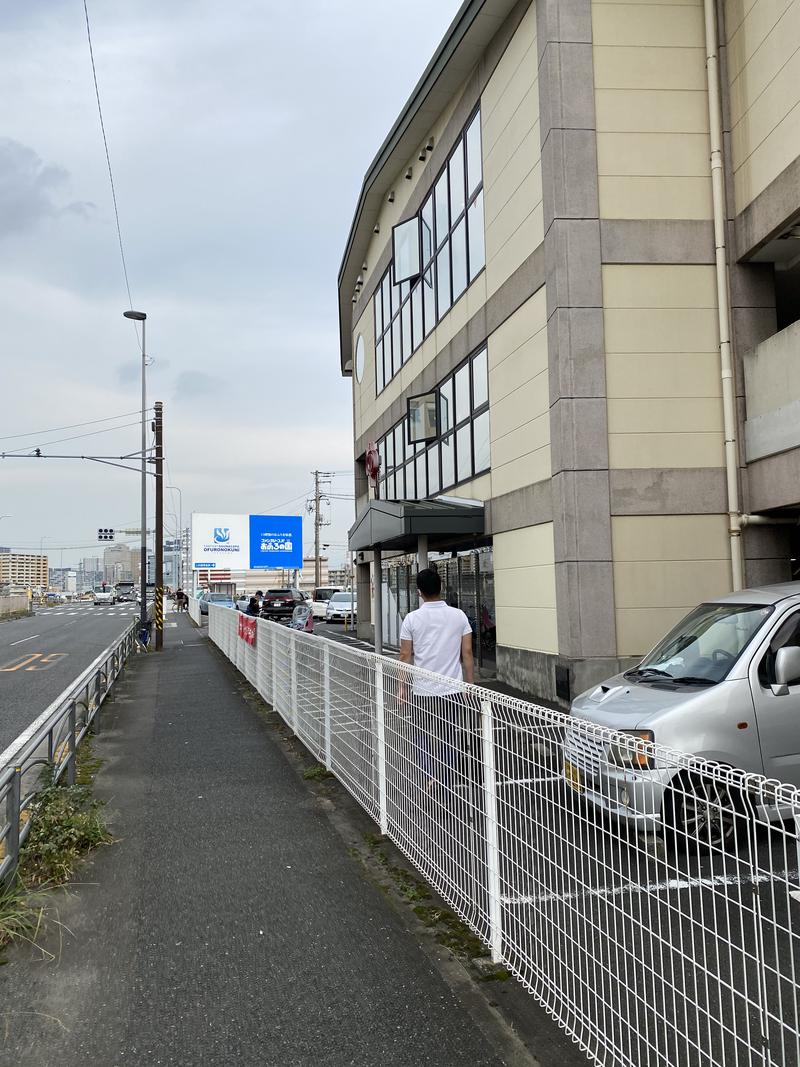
(51, 743)
(194, 611)
(648, 899)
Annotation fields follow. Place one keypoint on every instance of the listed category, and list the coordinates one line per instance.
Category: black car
(280, 603)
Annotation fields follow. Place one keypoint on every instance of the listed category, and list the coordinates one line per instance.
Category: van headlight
(633, 751)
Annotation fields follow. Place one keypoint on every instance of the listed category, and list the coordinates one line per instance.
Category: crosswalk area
(88, 609)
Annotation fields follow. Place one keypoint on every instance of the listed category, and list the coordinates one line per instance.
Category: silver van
(724, 684)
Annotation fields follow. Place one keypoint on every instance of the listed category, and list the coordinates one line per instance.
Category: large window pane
(458, 252)
(396, 298)
(429, 300)
(406, 317)
(426, 216)
(389, 451)
(382, 454)
(448, 463)
(416, 316)
(387, 357)
(420, 461)
(477, 240)
(399, 445)
(480, 380)
(433, 470)
(386, 300)
(396, 349)
(474, 169)
(446, 406)
(411, 482)
(463, 452)
(463, 408)
(443, 280)
(456, 169)
(376, 305)
(442, 209)
(379, 366)
(480, 431)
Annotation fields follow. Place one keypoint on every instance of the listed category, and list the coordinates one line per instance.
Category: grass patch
(67, 822)
(500, 975)
(317, 772)
(450, 931)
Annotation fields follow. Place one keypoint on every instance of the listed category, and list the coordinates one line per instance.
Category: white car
(321, 598)
(342, 607)
(104, 597)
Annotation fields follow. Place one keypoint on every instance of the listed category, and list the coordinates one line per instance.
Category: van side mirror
(787, 669)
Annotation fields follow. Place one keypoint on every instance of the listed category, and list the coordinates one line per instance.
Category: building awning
(397, 524)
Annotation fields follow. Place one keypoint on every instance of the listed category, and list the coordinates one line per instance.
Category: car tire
(705, 814)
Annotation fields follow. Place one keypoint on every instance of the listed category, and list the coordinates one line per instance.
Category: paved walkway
(228, 924)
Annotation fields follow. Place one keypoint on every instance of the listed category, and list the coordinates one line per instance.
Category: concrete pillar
(422, 552)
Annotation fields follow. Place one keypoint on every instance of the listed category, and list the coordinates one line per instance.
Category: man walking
(437, 638)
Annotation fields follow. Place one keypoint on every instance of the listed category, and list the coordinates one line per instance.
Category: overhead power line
(74, 437)
(71, 426)
(108, 159)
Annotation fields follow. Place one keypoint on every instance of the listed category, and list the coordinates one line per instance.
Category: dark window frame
(438, 242)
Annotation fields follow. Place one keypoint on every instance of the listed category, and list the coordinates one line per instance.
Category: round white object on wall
(359, 358)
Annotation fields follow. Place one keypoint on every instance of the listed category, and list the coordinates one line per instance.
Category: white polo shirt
(436, 629)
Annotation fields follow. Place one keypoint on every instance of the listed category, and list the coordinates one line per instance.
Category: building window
(444, 439)
(436, 255)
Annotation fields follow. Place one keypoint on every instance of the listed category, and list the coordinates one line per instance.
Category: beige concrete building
(20, 571)
(593, 308)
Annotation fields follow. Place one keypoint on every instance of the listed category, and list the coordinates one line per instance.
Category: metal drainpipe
(723, 293)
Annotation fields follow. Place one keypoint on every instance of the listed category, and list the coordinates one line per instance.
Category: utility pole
(158, 608)
(320, 477)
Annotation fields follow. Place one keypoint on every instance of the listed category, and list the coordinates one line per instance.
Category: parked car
(103, 597)
(280, 603)
(724, 684)
(342, 606)
(320, 598)
(223, 600)
(302, 618)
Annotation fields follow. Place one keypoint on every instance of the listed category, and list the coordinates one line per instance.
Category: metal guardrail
(648, 899)
(51, 742)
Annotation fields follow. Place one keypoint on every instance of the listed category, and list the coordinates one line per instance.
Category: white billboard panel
(221, 542)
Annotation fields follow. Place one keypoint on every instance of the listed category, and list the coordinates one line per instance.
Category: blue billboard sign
(276, 541)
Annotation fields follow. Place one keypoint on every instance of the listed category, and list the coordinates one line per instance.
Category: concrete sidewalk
(228, 924)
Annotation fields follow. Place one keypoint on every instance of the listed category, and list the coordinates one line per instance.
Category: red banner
(247, 629)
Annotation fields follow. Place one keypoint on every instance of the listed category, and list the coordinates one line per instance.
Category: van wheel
(704, 814)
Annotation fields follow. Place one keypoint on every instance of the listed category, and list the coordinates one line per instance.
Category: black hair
(428, 582)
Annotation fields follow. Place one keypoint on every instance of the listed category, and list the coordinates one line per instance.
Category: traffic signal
(105, 533)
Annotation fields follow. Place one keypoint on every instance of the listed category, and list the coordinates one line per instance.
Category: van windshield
(703, 647)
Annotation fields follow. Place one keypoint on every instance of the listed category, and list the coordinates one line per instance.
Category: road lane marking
(15, 665)
(48, 661)
(24, 639)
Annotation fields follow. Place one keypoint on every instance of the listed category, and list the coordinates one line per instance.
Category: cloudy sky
(239, 135)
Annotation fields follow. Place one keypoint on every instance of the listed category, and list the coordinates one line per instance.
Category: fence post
(381, 743)
(274, 660)
(326, 699)
(490, 819)
(12, 816)
(72, 745)
(293, 670)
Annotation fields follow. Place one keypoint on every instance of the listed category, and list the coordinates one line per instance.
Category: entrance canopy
(398, 524)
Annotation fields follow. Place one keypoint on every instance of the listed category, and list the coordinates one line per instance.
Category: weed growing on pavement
(67, 822)
(316, 772)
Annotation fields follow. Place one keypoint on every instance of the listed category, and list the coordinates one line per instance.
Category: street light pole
(140, 316)
(180, 532)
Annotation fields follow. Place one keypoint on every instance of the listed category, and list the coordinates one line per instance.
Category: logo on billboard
(222, 534)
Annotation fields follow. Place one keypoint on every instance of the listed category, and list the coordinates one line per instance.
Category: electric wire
(71, 426)
(108, 161)
(74, 437)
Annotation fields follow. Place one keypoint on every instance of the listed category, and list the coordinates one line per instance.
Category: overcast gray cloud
(239, 136)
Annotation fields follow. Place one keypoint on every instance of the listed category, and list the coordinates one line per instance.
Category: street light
(140, 316)
(180, 532)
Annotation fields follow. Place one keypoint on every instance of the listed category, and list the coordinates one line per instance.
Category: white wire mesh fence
(646, 898)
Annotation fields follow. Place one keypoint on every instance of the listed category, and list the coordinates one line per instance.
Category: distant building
(23, 570)
(120, 564)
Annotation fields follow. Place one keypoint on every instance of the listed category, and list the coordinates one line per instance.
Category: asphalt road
(41, 655)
